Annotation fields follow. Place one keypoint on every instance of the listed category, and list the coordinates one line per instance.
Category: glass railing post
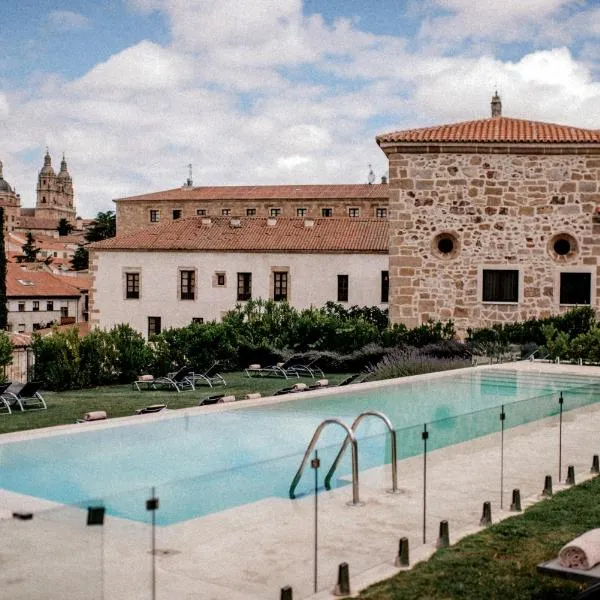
(424, 437)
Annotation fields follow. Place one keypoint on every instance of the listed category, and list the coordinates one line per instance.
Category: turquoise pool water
(212, 461)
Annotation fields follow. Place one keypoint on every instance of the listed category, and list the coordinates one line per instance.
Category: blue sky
(271, 91)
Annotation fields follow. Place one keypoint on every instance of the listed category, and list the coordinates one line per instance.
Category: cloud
(66, 20)
(259, 93)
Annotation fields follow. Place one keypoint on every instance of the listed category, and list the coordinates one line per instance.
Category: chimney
(271, 222)
(235, 222)
(309, 222)
(496, 105)
(206, 222)
(384, 179)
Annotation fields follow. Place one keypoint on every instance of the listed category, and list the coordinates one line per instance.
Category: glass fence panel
(52, 554)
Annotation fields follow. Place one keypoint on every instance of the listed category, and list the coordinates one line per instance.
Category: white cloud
(257, 93)
(66, 20)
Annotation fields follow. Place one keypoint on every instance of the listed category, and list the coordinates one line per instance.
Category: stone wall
(498, 211)
(134, 214)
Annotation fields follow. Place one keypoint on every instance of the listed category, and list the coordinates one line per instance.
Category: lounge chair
(297, 387)
(154, 408)
(180, 380)
(28, 397)
(309, 368)
(217, 399)
(210, 376)
(4, 404)
(142, 381)
(278, 370)
(357, 378)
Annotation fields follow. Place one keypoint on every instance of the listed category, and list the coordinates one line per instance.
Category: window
(244, 286)
(21, 306)
(36, 305)
(250, 212)
(201, 212)
(280, 286)
(132, 285)
(198, 320)
(176, 214)
(500, 285)
(21, 327)
(342, 291)
(385, 286)
(381, 213)
(154, 215)
(50, 305)
(354, 212)
(327, 212)
(153, 326)
(274, 212)
(575, 288)
(225, 212)
(220, 279)
(187, 285)
(64, 311)
(301, 212)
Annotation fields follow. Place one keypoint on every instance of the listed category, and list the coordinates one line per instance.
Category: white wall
(28, 317)
(312, 282)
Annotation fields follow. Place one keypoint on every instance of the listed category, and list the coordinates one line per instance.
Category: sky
(256, 92)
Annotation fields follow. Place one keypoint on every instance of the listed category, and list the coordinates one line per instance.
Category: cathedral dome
(4, 185)
(47, 168)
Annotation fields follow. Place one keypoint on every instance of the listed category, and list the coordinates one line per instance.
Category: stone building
(198, 268)
(54, 201)
(358, 201)
(494, 220)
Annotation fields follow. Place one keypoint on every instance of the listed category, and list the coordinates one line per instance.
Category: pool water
(212, 461)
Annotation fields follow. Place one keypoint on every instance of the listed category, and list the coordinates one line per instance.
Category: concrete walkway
(250, 552)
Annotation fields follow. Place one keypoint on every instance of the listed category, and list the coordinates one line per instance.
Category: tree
(3, 301)
(64, 227)
(29, 248)
(104, 226)
(80, 259)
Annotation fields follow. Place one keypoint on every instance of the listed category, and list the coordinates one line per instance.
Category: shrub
(57, 359)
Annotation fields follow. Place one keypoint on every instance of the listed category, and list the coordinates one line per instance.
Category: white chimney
(206, 222)
(235, 222)
(309, 222)
(271, 222)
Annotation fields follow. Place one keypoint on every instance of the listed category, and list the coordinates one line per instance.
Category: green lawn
(122, 400)
(500, 562)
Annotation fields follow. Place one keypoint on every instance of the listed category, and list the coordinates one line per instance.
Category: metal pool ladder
(350, 438)
(393, 445)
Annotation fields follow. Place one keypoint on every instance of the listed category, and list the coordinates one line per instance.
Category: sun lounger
(28, 397)
(278, 370)
(217, 399)
(210, 377)
(308, 369)
(144, 381)
(4, 404)
(154, 408)
(181, 380)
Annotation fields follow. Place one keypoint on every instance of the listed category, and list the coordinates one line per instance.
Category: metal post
(315, 463)
(152, 506)
(560, 420)
(502, 418)
(424, 437)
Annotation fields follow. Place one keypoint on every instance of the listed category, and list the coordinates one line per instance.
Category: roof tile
(256, 234)
(495, 130)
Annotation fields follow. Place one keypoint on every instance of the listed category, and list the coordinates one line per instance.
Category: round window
(563, 246)
(446, 245)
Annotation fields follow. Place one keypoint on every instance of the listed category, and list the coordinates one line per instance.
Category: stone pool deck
(251, 552)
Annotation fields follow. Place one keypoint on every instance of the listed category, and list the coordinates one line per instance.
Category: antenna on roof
(371, 176)
(189, 182)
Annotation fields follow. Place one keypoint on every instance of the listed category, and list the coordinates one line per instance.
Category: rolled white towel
(252, 396)
(146, 378)
(581, 553)
(254, 367)
(227, 399)
(95, 415)
(300, 386)
(322, 382)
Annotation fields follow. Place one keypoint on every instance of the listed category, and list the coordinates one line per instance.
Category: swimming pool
(206, 461)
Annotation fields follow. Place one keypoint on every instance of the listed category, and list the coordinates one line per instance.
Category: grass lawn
(500, 562)
(123, 400)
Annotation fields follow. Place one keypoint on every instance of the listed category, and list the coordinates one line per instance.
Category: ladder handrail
(393, 443)
(313, 442)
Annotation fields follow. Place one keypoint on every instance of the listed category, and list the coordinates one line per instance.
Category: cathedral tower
(55, 192)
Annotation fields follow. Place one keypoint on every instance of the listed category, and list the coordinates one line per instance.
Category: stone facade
(363, 201)
(458, 213)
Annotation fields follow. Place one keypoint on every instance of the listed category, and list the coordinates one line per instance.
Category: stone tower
(10, 201)
(496, 105)
(54, 192)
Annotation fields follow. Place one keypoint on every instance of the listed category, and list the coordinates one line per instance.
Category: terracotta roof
(496, 130)
(256, 234)
(81, 282)
(35, 223)
(267, 192)
(22, 282)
